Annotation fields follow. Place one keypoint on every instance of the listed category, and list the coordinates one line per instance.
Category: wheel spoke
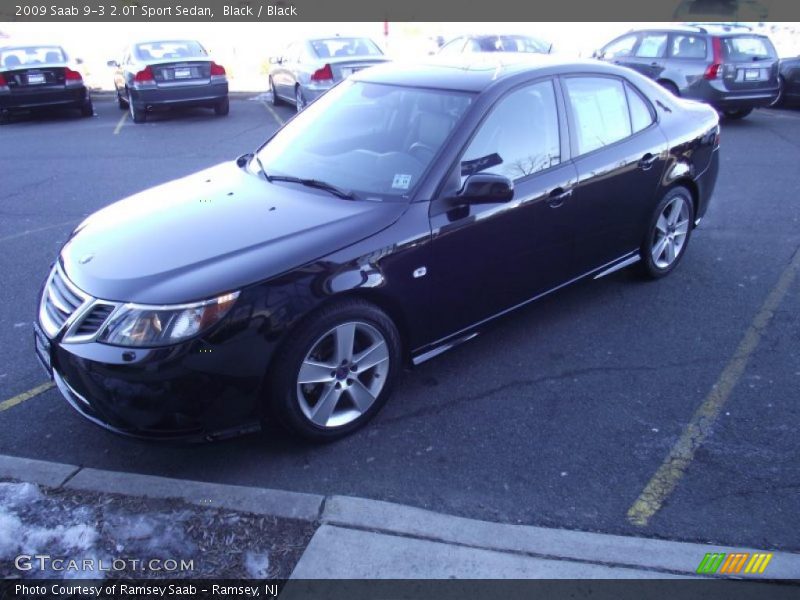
(658, 249)
(662, 224)
(345, 337)
(326, 404)
(315, 372)
(682, 228)
(375, 354)
(670, 252)
(675, 212)
(362, 397)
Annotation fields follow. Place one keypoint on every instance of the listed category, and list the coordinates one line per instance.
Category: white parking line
(271, 111)
(120, 123)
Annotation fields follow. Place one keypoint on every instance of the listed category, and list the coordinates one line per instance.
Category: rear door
(688, 58)
(749, 63)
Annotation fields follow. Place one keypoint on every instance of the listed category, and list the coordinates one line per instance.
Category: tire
(779, 100)
(222, 108)
(737, 114)
(299, 99)
(87, 110)
(121, 102)
(353, 395)
(275, 100)
(670, 87)
(137, 114)
(657, 260)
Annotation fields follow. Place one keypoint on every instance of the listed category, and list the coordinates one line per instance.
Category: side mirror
(112, 63)
(78, 61)
(486, 188)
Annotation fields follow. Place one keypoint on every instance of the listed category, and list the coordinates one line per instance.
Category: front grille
(93, 320)
(60, 301)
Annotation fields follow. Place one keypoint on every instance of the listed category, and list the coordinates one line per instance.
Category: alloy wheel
(670, 233)
(343, 374)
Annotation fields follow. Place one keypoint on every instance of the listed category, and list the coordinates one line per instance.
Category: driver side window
(519, 137)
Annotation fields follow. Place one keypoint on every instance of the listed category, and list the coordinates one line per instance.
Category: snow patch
(257, 565)
(17, 494)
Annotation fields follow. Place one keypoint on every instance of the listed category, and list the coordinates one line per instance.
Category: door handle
(557, 197)
(647, 161)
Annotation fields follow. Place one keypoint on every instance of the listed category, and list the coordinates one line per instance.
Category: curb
(371, 519)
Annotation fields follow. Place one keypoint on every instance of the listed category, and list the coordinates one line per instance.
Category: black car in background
(40, 77)
(169, 74)
(389, 221)
(734, 71)
(789, 82)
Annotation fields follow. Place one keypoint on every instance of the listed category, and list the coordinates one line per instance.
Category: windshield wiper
(315, 183)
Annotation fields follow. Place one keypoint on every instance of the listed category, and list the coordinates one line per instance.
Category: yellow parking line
(120, 123)
(271, 111)
(6, 404)
(680, 457)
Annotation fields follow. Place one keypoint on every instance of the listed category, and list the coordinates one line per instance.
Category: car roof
(475, 73)
(720, 29)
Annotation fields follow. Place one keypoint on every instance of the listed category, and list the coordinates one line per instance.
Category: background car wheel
(779, 98)
(137, 114)
(121, 102)
(336, 371)
(222, 108)
(299, 99)
(276, 101)
(668, 233)
(671, 87)
(737, 114)
(87, 110)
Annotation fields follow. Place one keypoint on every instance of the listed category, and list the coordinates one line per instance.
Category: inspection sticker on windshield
(401, 182)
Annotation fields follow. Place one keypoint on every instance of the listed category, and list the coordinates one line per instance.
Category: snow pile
(256, 565)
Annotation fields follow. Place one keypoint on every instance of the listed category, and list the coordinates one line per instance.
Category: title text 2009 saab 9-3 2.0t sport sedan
(384, 224)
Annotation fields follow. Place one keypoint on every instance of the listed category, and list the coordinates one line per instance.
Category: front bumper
(191, 391)
(207, 94)
(52, 97)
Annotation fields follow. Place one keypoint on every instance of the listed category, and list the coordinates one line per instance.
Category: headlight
(140, 325)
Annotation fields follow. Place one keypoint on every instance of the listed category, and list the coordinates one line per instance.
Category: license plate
(182, 73)
(752, 74)
(42, 348)
(34, 78)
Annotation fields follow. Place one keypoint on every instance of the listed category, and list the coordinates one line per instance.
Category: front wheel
(779, 98)
(299, 99)
(276, 101)
(336, 371)
(668, 233)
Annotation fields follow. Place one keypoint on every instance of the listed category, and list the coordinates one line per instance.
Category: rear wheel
(87, 110)
(737, 114)
(222, 108)
(275, 100)
(299, 98)
(121, 102)
(671, 87)
(336, 371)
(668, 233)
(137, 114)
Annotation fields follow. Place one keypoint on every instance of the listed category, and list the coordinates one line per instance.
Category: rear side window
(641, 115)
(653, 45)
(621, 47)
(746, 47)
(600, 111)
(688, 46)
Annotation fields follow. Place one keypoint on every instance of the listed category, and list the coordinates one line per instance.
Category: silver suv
(730, 68)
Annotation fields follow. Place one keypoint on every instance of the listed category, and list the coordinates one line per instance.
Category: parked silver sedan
(308, 68)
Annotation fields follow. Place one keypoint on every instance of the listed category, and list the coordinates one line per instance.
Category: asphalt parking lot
(559, 415)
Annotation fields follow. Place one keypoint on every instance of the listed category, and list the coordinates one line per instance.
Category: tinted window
(746, 47)
(641, 116)
(621, 47)
(167, 50)
(11, 58)
(688, 46)
(519, 137)
(338, 47)
(653, 45)
(600, 111)
(452, 47)
(511, 43)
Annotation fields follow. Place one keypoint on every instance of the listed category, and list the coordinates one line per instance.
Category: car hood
(212, 232)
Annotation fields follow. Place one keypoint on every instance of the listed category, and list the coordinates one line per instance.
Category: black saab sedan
(389, 221)
(40, 77)
(167, 74)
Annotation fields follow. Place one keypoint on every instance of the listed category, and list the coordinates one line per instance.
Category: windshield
(511, 43)
(169, 50)
(343, 47)
(371, 139)
(11, 58)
